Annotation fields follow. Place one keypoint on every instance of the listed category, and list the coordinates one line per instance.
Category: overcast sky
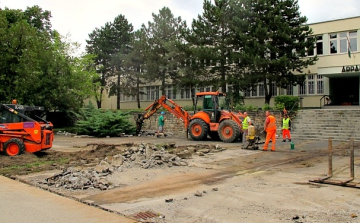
(80, 17)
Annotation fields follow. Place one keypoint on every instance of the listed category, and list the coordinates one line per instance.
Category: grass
(37, 165)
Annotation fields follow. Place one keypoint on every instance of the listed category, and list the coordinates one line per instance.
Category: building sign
(354, 68)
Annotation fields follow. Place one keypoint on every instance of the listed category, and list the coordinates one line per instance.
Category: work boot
(289, 140)
(284, 140)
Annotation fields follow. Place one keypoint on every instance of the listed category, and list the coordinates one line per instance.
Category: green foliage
(102, 123)
(36, 65)
(240, 107)
(211, 46)
(107, 43)
(163, 58)
(251, 108)
(191, 108)
(133, 59)
(266, 107)
(272, 36)
(287, 102)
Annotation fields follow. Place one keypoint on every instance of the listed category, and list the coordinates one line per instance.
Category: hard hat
(163, 113)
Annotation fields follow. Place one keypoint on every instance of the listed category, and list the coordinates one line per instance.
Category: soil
(234, 185)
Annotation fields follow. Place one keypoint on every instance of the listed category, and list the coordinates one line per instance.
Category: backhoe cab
(211, 120)
(22, 130)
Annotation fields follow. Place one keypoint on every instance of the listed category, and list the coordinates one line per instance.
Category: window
(340, 42)
(247, 93)
(254, 91)
(182, 93)
(274, 89)
(313, 84)
(333, 43)
(311, 87)
(208, 89)
(152, 92)
(289, 90)
(319, 45)
(141, 91)
(302, 89)
(261, 90)
(188, 95)
(320, 84)
(169, 91)
(201, 89)
(186, 92)
(319, 48)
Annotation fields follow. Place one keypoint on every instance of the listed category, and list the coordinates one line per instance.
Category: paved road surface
(21, 203)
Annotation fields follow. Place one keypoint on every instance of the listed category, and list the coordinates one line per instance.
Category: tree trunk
(118, 92)
(138, 91)
(268, 92)
(163, 86)
(98, 101)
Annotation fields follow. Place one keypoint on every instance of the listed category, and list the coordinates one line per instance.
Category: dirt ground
(232, 185)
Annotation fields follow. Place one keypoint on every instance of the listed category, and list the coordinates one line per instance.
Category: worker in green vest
(161, 122)
(245, 125)
(286, 127)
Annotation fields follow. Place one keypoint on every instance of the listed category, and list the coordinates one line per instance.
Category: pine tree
(210, 40)
(274, 46)
(163, 59)
(106, 43)
(133, 60)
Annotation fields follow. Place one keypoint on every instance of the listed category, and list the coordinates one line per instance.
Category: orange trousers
(286, 132)
(270, 135)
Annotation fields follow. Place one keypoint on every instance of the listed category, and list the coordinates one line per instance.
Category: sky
(78, 18)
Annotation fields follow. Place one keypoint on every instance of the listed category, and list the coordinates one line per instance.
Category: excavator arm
(167, 104)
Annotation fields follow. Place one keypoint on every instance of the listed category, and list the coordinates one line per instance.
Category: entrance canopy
(338, 72)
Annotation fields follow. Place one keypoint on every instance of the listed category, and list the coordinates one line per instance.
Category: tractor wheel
(14, 147)
(198, 129)
(229, 131)
(214, 135)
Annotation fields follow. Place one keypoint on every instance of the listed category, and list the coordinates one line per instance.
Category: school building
(335, 75)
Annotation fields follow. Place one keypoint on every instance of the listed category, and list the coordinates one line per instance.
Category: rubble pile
(74, 179)
(147, 156)
(143, 155)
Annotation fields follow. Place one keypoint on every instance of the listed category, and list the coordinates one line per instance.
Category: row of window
(313, 84)
(338, 43)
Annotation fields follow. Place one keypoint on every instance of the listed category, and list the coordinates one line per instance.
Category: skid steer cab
(21, 129)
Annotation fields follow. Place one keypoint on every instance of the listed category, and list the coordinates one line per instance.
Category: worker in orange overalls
(270, 128)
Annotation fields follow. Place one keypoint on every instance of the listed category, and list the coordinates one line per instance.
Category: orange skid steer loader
(211, 120)
(19, 132)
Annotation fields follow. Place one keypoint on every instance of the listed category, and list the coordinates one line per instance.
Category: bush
(102, 123)
(287, 102)
(191, 108)
(266, 107)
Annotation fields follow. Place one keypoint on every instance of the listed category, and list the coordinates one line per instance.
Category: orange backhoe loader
(211, 121)
(19, 132)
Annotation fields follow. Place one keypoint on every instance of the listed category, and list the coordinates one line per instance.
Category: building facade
(334, 76)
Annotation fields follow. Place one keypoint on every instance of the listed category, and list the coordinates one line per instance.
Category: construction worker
(286, 126)
(270, 128)
(161, 122)
(245, 125)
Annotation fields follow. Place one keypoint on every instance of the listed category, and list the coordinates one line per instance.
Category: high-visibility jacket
(286, 123)
(245, 124)
(271, 126)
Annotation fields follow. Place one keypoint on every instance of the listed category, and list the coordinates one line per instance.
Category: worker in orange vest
(270, 128)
